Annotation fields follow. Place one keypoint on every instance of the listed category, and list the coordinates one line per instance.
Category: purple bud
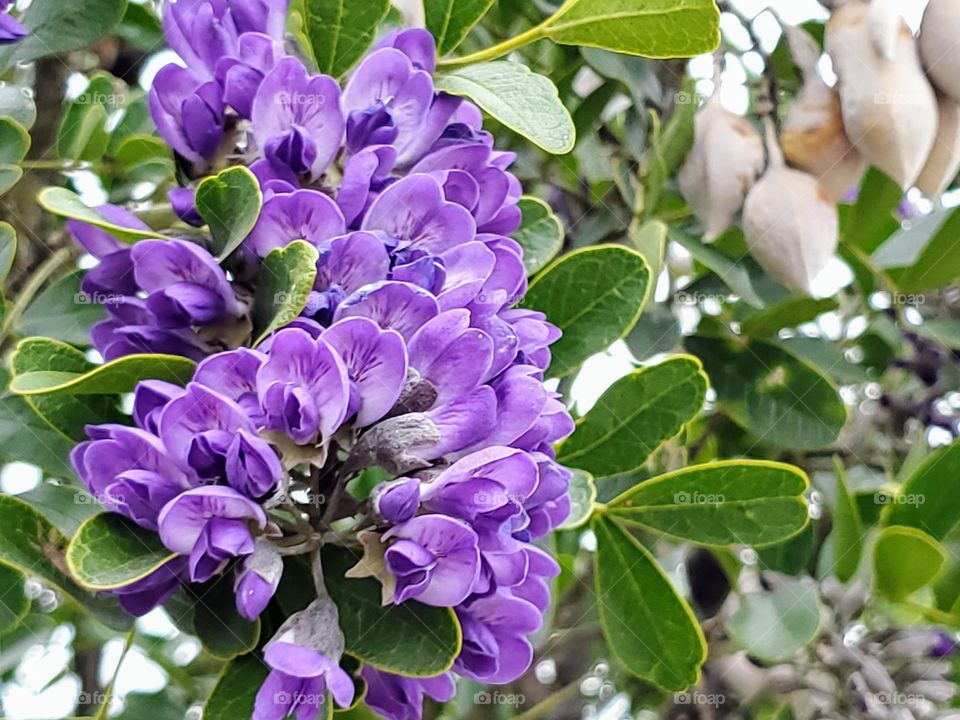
(397, 501)
(252, 467)
(258, 580)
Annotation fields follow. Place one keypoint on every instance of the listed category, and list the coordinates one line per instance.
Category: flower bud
(939, 50)
(790, 223)
(258, 580)
(813, 136)
(944, 160)
(888, 106)
(726, 158)
(397, 501)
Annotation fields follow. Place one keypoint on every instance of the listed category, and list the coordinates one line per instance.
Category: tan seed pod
(813, 137)
(889, 108)
(726, 159)
(939, 49)
(944, 161)
(789, 222)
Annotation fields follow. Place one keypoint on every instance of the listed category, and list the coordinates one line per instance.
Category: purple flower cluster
(407, 356)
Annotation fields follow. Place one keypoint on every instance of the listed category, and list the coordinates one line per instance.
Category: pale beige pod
(726, 159)
(813, 136)
(944, 161)
(789, 222)
(939, 47)
(889, 108)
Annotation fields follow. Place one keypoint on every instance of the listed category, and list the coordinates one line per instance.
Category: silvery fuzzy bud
(889, 108)
(944, 161)
(726, 158)
(813, 137)
(936, 691)
(938, 45)
(789, 222)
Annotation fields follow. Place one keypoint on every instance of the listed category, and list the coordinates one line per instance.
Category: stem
(507, 46)
(551, 702)
(108, 691)
(33, 285)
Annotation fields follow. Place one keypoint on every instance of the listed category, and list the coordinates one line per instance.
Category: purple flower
(258, 579)
(434, 559)
(145, 594)
(188, 112)
(396, 697)
(300, 215)
(10, 29)
(297, 121)
(495, 646)
(212, 525)
(397, 501)
(298, 680)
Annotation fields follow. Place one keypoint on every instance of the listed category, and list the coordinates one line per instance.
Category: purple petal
(301, 215)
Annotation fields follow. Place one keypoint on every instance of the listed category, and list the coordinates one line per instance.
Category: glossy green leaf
(56, 27)
(904, 560)
(118, 376)
(32, 545)
(657, 331)
(871, 219)
(62, 311)
(67, 507)
(83, 134)
(780, 399)
(222, 631)
(921, 257)
(236, 689)
(734, 275)
(653, 28)
(773, 626)
(17, 102)
(450, 20)
(393, 637)
(229, 202)
(66, 413)
(286, 279)
(540, 234)
(847, 529)
(25, 436)
(111, 551)
(670, 145)
(8, 249)
(141, 28)
(649, 628)
(339, 32)
(9, 176)
(524, 101)
(787, 314)
(14, 603)
(929, 499)
(594, 296)
(634, 416)
(64, 203)
(650, 240)
(583, 496)
(737, 502)
(144, 156)
(14, 141)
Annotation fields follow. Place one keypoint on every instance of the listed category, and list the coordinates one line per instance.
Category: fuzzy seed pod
(813, 136)
(889, 108)
(938, 45)
(726, 159)
(944, 161)
(789, 221)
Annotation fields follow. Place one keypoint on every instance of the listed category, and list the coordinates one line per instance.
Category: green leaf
(524, 101)
(286, 279)
(55, 27)
(657, 331)
(786, 314)
(780, 399)
(14, 141)
(583, 496)
(14, 603)
(670, 146)
(64, 203)
(904, 560)
(222, 631)
(649, 628)
(143, 156)
(650, 240)
(871, 219)
(652, 28)
(111, 551)
(737, 502)
(236, 689)
(65, 413)
(32, 545)
(929, 499)
(25, 436)
(847, 529)
(118, 376)
(921, 257)
(9, 176)
(450, 20)
(62, 312)
(634, 416)
(229, 202)
(412, 638)
(8, 249)
(594, 296)
(339, 31)
(16, 102)
(734, 275)
(141, 28)
(540, 234)
(83, 134)
(67, 507)
(773, 626)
